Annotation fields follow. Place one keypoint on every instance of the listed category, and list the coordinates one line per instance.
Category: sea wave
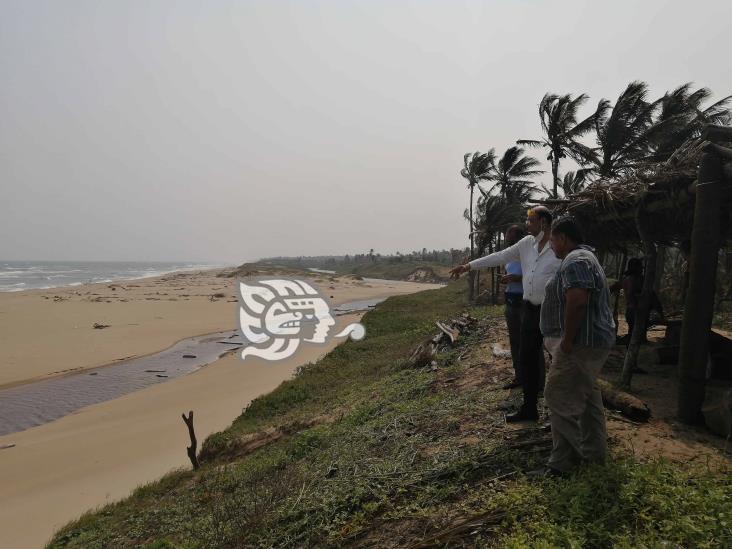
(18, 276)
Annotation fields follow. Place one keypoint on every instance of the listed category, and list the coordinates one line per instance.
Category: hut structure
(684, 202)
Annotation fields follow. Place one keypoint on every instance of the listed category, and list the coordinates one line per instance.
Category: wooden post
(699, 305)
(191, 450)
(644, 304)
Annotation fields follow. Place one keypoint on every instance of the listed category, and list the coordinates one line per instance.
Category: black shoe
(522, 415)
(547, 472)
(512, 384)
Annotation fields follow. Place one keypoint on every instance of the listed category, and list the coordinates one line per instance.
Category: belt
(531, 305)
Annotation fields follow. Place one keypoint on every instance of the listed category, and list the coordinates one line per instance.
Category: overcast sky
(226, 131)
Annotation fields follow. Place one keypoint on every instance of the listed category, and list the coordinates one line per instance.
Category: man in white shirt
(538, 264)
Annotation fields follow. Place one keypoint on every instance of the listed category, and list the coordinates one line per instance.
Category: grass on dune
(370, 452)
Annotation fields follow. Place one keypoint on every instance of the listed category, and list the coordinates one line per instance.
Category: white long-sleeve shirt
(537, 267)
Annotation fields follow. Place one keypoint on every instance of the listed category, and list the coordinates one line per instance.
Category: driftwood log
(630, 406)
(191, 450)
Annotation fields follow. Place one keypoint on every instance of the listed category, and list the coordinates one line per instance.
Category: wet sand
(100, 453)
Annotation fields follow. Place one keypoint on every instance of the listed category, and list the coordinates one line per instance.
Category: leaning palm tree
(558, 116)
(622, 132)
(513, 175)
(682, 117)
(477, 168)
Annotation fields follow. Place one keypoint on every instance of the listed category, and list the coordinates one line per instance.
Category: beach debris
(98, 326)
(500, 352)
(93, 373)
(189, 356)
(452, 333)
(154, 371)
(161, 375)
(191, 450)
(423, 355)
(6, 446)
(217, 295)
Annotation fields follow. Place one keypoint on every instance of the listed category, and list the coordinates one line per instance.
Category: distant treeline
(449, 257)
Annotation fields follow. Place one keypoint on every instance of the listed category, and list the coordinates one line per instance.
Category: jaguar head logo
(276, 315)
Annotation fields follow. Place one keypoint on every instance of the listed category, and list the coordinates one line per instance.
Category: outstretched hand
(457, 271)
(508, 278)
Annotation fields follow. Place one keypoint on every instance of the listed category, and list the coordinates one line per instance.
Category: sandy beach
(99, 454)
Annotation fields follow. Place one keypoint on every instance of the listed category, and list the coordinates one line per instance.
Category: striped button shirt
(580, 269)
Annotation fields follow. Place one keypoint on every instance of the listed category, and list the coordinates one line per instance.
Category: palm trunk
(555, 174)
(472, 236)
(496, 275)
(471, 274)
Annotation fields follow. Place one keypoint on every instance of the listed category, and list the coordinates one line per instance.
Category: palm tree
(513, 175)
(573, 182)
(558, 115)
(494, 215)
(622, 132)
(477, 168)
(682, 117)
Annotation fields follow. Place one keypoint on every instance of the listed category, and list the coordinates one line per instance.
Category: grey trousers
(575, 406)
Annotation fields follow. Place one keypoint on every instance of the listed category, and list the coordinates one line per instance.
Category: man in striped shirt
(579, 331)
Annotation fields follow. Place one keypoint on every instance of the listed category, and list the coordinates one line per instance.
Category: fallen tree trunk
(630, 406)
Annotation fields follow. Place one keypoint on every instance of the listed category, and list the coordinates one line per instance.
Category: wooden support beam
(699, 305)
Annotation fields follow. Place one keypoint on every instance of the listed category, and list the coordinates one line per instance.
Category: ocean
(16, 276)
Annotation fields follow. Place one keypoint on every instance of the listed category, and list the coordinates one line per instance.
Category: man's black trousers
(531, 355)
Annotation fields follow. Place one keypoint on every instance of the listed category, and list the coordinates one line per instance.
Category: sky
(228, 131)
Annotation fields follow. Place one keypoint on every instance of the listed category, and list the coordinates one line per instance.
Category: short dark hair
(569, 227)
(544, 213)
(519, 229)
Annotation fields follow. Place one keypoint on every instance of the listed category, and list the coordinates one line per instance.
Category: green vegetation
(400, 270)
(360, 449)
(393, 268)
